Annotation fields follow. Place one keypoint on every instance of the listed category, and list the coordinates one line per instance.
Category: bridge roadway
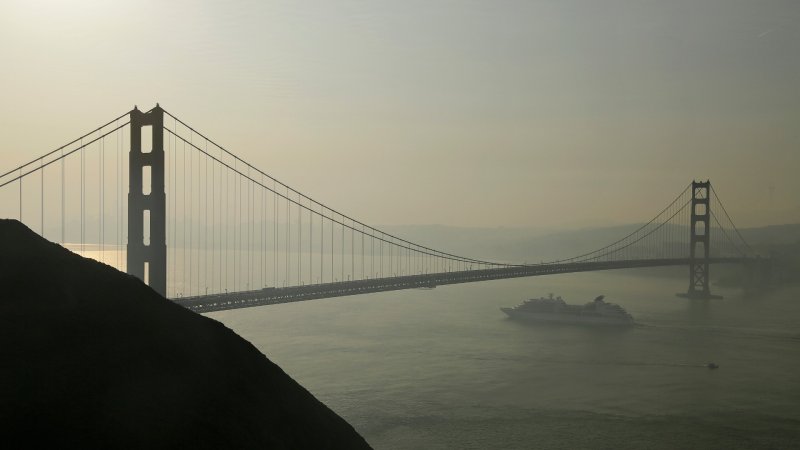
(275, 295)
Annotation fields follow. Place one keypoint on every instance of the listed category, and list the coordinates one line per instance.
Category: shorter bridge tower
(699, 242)
(147, 201)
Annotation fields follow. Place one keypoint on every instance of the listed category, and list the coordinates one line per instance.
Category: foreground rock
(93, 358)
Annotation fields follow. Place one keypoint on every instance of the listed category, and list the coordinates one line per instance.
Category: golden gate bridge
(152, 196)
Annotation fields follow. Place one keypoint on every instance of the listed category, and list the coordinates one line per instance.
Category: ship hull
(571, 319)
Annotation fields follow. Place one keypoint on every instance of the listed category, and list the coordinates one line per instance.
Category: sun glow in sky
(513, 113)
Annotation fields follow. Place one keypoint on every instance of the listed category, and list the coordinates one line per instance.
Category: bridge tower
(699, 242)
(147, 200)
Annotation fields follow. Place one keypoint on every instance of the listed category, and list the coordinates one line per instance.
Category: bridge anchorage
(207, 229)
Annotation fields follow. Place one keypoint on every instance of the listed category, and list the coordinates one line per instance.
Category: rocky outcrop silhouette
(94, 358)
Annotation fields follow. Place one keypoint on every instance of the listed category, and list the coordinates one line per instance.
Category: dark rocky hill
(93, 358)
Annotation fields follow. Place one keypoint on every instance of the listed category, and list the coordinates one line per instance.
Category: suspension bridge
(152, 196)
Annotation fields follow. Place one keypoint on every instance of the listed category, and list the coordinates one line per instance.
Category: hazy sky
(495, 113)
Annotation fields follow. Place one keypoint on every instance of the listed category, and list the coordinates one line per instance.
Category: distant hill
(535, 245)
(93, 358)
(772, 235)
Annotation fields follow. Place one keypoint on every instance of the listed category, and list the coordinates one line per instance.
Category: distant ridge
(536, 245)
(93, 358)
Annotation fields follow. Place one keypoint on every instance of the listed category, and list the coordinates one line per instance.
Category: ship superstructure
(556, 310)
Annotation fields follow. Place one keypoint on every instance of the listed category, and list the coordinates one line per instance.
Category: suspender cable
(83, 206)
(226, 265)
(102, 199)
(264, 275)
(372, 255)
(249, 233)
(191, 216)
(41, 171)
(63, 202)
(208, 271)
(213, 224)
(236, 224)
(352, 253)
(117, 242)
(172, 213)
(373, 231)
(183, 219)
(299, 244)
(249, 236)
(362, 252)
(342, 279)
(287, 280)
(202, 223)
(237, 231)
(274, 235)
(322, 245)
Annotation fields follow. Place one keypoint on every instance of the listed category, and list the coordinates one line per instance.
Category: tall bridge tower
(699, 242)
(147, 201)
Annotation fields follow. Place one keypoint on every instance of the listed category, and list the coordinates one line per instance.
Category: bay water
(445, 368)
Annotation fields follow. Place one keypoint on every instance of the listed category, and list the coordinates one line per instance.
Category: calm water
(444, 368)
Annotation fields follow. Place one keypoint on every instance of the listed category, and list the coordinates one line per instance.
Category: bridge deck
(273, 295)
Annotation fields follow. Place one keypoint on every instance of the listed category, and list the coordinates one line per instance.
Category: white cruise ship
(556, 310)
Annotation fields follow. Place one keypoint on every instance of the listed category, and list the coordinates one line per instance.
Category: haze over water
(546, 114)
(436, 112)
(444, 368)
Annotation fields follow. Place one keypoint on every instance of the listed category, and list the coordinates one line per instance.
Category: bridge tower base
(147, 201)
(699, 242)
